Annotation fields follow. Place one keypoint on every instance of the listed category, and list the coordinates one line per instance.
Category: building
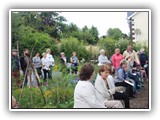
(138, 25)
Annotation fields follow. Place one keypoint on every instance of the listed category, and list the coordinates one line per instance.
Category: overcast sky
(102, 20)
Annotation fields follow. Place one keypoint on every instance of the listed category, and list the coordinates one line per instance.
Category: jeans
(45, 74)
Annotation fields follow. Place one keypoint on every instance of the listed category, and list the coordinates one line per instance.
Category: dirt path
(142, 100)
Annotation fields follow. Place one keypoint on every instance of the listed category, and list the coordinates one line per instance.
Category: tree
(94, 33)
(90, 35)
(29, 38)
(115, 33)
(48, 22)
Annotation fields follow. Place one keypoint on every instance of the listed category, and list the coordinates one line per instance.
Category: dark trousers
(146, 69)
(74, 68)
(129, 88)
(45, 74)
(25, 77)
(122, 96)
(39, 71)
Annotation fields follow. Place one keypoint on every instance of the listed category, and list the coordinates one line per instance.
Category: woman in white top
(50, 57)
(51, 61)
(45, 67)
(85, 94)
(102, 59)
(102, 86)
(117, 94)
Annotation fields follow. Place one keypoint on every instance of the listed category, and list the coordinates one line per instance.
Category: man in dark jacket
(15, 67)
(24, 60)
(143, 60)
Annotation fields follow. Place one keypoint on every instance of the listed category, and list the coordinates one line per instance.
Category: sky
(102, 20)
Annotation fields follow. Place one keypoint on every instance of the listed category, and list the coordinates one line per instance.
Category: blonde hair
(48, 50)
(62, 53)
(43, 54)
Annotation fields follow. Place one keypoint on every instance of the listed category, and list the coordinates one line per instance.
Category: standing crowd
(43, 66)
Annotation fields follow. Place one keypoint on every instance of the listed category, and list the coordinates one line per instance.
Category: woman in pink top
(116, 58)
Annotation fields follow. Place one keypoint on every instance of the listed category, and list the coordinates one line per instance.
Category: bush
(71, 44)
(110, 45)
(141, 44)
(29, 38)
(31, 98)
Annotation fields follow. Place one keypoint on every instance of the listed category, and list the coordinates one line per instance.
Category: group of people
(44, 65)
(117, 80)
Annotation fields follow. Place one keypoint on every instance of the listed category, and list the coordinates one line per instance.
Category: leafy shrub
(29, 38)
(71, 44)
(108, 44)
(141, 44)
(31, 98)
(58, 95)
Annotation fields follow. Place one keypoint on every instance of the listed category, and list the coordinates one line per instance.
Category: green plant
(71, 44)
(31, 98)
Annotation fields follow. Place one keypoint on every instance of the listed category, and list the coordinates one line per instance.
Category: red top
(116, 59)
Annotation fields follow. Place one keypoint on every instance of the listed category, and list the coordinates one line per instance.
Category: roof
(130, 14)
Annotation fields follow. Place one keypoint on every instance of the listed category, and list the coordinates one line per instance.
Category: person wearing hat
(116, 58)
(15, 67)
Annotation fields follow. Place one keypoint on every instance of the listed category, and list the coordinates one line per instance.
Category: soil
(141, 100)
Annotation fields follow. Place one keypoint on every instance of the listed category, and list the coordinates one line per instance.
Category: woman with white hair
(64, 65)
(102, 59)
(63, 58)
